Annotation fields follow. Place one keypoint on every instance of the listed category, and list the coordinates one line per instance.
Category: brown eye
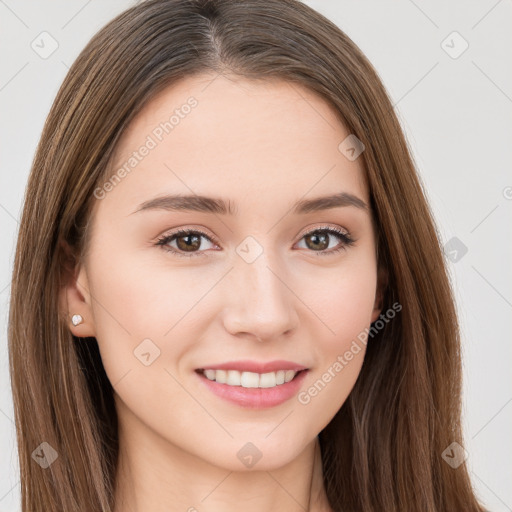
(188, 243)
(186, 240)
(319, 240)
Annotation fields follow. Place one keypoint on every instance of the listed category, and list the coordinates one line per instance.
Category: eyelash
(347, 240)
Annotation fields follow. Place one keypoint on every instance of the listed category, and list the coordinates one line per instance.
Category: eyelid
(322, 227)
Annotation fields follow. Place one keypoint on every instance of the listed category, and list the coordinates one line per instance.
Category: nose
(263, 306)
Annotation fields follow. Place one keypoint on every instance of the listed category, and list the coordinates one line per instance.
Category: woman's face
(260, 284)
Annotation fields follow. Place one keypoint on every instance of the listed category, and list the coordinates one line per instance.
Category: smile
(250, 379)
(252, 390)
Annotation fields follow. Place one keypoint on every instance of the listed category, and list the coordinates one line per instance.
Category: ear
(382, 282)
(74, 296)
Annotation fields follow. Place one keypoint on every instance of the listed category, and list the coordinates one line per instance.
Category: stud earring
(76, 319)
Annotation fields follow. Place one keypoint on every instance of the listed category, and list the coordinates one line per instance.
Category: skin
(263, 146)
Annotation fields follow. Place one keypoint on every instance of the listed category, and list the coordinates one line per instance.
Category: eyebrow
(220, 206)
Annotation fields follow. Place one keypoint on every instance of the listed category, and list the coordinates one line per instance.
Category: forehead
(237, 139)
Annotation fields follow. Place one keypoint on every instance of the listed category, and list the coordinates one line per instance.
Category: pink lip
(255, 398)
(255, 367)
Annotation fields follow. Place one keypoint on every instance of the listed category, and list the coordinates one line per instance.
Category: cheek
(132, 295)
(143, 313)
(342, 305)
(325, 391)
(341, 299)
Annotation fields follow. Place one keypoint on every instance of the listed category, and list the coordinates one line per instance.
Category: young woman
(228, 288)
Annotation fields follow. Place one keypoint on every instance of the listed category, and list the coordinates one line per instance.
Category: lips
(254, 397)
(255, 366)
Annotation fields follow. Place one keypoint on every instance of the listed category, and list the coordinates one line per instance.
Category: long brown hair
(383, 449)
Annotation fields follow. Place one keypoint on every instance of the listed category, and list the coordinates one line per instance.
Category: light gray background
(456, 115)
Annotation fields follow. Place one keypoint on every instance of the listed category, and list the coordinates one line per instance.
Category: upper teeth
(250, 379)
